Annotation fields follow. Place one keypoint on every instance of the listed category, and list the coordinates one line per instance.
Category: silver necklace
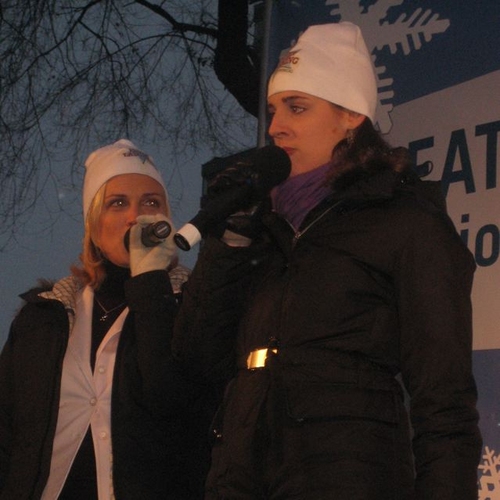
(104, 317)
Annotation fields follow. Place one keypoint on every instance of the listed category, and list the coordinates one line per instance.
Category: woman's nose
(276, 127)
(132, 214)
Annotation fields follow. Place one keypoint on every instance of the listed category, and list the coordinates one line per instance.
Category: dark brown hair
(365, 151)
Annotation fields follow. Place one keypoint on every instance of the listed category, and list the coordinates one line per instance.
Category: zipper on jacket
(298, 234)
(284, 309)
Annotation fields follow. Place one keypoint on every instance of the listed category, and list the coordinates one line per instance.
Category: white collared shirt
(85, 399)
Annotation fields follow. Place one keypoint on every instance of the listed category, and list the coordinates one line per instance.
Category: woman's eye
(152, 203)
(118, 202)
(297, 109)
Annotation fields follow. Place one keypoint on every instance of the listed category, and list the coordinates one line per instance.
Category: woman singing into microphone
(91, 403)
(355, 287)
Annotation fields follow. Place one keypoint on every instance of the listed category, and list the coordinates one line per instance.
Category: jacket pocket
(312, 400)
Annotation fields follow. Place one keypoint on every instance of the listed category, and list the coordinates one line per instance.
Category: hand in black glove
(244, 225)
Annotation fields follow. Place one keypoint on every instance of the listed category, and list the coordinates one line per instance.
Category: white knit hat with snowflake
(122, 157)
(330, 61)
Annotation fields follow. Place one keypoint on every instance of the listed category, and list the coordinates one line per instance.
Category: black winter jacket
(158, 432)
(373, 288)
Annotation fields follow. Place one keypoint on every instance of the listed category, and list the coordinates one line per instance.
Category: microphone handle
(151, 235)
(187, 236)
(215, 211)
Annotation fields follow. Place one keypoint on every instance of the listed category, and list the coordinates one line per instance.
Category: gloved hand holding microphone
(150, 252)
(235, 199)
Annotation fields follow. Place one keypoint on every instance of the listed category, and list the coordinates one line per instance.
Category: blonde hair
(92, 271)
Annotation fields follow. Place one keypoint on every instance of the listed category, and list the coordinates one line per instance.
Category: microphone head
(272, 166)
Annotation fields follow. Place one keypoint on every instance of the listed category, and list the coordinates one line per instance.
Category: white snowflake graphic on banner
(407, 33)
(489, 484)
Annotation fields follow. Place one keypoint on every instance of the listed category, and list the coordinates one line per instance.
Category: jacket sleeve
(213, 301)
(433, 279)
(145, 346)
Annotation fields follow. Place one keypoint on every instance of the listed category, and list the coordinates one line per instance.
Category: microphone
(151, 235)
(236, 188)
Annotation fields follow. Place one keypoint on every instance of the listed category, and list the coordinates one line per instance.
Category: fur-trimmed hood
(382, 178)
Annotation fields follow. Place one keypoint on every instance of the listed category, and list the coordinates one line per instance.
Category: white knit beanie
(122, 157)
(330, 61)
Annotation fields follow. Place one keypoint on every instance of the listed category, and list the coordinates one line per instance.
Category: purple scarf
(298, 195)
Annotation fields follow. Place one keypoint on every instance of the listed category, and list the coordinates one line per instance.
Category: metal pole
(262, 125)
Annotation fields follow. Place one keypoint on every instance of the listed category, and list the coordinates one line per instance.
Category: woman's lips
(288, 151)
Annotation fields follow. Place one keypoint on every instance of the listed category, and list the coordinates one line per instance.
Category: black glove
(247, 223)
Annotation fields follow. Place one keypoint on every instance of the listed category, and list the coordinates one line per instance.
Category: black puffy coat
(373, 290)
(158, 426)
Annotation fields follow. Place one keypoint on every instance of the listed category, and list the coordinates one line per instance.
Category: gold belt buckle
(257, 359)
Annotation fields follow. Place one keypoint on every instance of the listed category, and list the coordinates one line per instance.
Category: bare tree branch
(84, 73)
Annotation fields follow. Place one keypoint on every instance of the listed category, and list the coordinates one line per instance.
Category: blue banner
(419, 47)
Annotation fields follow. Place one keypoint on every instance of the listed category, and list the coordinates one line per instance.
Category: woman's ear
(354, 120)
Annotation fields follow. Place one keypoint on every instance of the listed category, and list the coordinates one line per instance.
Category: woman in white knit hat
(92, 406)
(357, 282)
